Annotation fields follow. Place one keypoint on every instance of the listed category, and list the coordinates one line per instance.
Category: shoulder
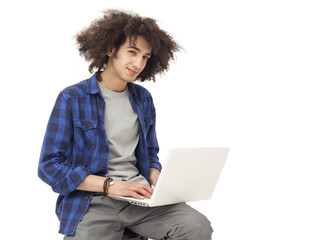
(139, 90)
(144, 98)
(78, 90)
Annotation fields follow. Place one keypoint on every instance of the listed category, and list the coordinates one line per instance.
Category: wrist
(107, 183)
(154, 170)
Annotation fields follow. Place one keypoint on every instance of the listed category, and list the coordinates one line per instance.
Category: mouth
(132, 72)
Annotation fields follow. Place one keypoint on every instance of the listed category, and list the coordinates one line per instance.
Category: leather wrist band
(108, 182)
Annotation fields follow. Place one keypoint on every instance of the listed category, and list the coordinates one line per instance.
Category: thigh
(100, 222)
(173, 221)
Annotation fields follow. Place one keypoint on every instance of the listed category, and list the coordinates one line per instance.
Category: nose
(138, 62)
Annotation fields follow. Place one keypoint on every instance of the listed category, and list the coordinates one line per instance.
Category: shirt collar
(132, 90)
(94, 89)
(92, 85)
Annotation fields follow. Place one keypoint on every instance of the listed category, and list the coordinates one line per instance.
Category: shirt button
(86, 198)
(83, 126)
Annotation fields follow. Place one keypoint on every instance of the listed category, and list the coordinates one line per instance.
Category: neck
(111, 82)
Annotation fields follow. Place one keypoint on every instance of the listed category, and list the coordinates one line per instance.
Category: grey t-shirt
(122, 130)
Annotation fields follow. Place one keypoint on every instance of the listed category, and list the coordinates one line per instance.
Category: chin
(130, 80)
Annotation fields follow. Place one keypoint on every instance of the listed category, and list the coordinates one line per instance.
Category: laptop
(188, 174)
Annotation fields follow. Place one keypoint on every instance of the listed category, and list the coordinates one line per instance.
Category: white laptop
(188, 174)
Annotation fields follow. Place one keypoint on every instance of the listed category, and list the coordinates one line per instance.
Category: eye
(132, 52)
(146, 57)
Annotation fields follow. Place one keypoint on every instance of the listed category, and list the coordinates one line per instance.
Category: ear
(111, 52)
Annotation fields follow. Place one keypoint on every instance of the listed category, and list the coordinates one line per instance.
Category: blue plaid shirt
(75, 145)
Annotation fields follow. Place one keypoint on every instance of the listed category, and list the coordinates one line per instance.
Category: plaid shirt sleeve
(153, 146)
(54, 167)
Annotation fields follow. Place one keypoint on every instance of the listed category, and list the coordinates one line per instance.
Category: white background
(245, 80)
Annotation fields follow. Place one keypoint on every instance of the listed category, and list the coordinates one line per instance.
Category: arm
(95, 183)
(154, 175)
(153, 148)
(54, 168)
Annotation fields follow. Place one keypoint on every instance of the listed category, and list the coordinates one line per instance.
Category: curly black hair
(111, 31)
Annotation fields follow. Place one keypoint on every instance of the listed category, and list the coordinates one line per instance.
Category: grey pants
(106, 219)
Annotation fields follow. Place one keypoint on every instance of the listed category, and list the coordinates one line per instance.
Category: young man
(101, 138)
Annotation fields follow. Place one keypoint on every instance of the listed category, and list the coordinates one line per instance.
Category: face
(129, 61)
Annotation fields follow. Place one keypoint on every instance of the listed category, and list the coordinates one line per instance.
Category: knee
(203, 230)
(195, 228)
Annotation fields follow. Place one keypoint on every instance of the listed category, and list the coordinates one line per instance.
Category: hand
(130, 189)
(154, 175)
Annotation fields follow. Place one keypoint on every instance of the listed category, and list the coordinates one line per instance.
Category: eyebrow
(138, 49)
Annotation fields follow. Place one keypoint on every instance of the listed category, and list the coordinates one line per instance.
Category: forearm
(154, 175)
(92, 183)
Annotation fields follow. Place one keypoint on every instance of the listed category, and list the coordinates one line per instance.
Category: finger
(139, 187)
(146, 192)
(136, 195)
(142, 189)
(149, 189)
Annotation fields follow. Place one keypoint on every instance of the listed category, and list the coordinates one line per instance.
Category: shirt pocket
(85, 135)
